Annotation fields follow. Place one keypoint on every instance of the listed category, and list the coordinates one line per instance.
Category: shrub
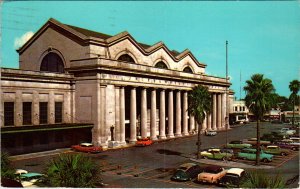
(259, 179)
(6, 169)
(72, 171)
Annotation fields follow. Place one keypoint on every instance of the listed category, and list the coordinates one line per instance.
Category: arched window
(161, 65)
(126, 58)
(187, 70)
(52, 63)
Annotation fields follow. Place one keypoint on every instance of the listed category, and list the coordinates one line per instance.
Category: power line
(12, 28)
(19, 22)
(3, 13)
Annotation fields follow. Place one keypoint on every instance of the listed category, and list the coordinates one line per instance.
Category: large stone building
(72, 81)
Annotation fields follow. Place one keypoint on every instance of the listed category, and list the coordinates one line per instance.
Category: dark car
(286, 145)
(186, 172)
(233, 178)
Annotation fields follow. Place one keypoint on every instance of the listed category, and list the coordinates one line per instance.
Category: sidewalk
(40, 154)
(231, 164)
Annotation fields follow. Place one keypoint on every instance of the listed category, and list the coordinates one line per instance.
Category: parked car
(238, 144)
(187, 171)
(211, 174)
(144, 142)
(19, 172)
(87, 147)
(287, 131)
(233, 178)
(276, 150)
(291, 141)
(253, 142)
(273, 136)
(216, 154)
(210, 132)
(286, 145)
(31, 179)
(250, 154)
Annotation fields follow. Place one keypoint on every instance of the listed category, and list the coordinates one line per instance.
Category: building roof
(85, 36)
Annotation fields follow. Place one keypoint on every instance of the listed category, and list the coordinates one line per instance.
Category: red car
(87, 147)
(144, 142)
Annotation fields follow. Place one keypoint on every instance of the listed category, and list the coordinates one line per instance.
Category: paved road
(153, 166)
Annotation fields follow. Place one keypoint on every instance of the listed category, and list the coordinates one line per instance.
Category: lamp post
(227, 94)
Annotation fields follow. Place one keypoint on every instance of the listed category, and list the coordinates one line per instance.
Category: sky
(263, 37)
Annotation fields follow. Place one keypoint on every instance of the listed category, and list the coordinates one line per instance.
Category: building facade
(123, 88)
(238, 112)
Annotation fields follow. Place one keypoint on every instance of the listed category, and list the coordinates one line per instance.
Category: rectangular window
(43, 112)
(58, 112)
(236, 109)
(240, 108)
(243, 108)
(27, 114)
(9, 108)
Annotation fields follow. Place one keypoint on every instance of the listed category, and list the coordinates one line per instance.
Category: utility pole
(227, 95)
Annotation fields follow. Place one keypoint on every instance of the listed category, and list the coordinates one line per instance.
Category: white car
(287, 131)
(210, 132)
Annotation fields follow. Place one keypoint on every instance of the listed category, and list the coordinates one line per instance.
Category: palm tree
(72, 171)
(294, 88)
(259, 92)
(199, 105)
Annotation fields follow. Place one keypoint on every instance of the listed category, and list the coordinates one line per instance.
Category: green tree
(199, 105)
(260, 179)
(7, 170)
(259, 94)
(294, 88)
(72, 171)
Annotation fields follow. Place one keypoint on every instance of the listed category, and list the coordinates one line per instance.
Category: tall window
(161, 65)
(9, 113)
(52, 63)
(27, 114)
(58, 112)
(126, 58)
(43, 112)
(187, 70)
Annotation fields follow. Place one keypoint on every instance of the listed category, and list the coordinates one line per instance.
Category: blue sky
(264, 37)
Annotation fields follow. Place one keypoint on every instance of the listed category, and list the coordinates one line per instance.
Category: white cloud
(19, 41)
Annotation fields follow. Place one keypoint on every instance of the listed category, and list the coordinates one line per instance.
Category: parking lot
(153, 166)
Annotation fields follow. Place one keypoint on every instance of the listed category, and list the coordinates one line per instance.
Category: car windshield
(212, 170)
(181, 174)
(230, 178)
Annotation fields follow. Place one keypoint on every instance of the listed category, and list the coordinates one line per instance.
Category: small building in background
(238, 112)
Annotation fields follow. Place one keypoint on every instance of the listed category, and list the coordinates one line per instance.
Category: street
(152, 166)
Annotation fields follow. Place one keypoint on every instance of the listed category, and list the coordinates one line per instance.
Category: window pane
(43, 112)
(58, 112)
(8, 113)
(27, 113)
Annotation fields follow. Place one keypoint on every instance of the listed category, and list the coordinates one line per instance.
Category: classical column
(162, 115)
(204, 124)
(219, 112)
(214, 110)
(153, 115)
(192, 124)
(117, 129)
(144, 113)
(122, 115)
(170, 115)
(133, 115)
(209, 121)
(178, 114)
(223, 109)
(185, 113)
(103, 128)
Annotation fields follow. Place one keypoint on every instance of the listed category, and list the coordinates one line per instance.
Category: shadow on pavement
(168, 152)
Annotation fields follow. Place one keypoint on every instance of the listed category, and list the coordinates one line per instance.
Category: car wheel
(204, 157)
(283, 154)
(265, 160)
(294, 149)
(224, 158)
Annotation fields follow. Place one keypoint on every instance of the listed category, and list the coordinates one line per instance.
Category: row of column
(215, 121)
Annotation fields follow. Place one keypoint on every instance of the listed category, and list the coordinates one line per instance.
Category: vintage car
(20, 172)
(250, 154)
(87, 147)
(216, 154)
(238, 144)
(276, 150)
(211, 174)
(287, 131)
(233, 178)
(286, 145)
(210, 132)
(144, 142)
(30, 179)
(187, 171)
(253, 142)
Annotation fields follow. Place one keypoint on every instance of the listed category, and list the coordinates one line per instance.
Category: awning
(35, 128)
